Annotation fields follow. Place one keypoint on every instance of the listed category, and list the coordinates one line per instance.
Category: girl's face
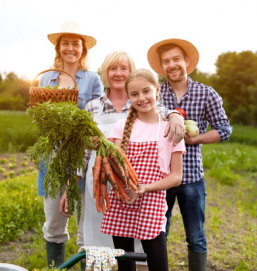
(71, 48)
(117, 75)
(142, 95)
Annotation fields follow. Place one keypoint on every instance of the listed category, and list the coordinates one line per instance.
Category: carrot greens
(64, 131)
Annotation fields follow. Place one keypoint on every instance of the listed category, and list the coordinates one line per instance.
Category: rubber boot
(56, 253)
(197, 261)
(82, 266)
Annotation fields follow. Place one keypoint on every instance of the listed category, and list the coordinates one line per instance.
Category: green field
(17, 132)
(231, 207)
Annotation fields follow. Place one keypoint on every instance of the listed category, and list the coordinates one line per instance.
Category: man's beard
(179, 78)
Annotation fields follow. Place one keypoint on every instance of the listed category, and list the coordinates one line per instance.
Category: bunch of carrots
(119, 173)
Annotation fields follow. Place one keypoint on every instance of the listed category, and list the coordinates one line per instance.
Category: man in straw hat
(175, 59)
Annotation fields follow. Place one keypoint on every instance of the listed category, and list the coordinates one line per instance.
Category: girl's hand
(95, 141)
(134, 195)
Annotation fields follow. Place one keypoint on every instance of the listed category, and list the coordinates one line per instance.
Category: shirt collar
(104, 98)
(79, 73)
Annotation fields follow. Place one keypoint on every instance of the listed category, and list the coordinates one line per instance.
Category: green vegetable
(64, 131)
(191, 128)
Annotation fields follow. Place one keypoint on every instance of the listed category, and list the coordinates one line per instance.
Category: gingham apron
(144, 219)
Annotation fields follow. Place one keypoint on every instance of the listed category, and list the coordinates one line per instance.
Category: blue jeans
(191, 201)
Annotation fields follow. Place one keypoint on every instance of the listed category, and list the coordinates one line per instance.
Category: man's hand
(63, 209)
(175, 127)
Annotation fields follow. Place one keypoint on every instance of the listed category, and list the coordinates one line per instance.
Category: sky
(213, 26)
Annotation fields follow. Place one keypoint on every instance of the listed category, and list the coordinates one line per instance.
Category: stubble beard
(179, 78)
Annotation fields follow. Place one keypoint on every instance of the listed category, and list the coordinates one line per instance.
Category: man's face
(174, 65)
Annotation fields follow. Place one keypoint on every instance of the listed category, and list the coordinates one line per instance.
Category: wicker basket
(41, 95)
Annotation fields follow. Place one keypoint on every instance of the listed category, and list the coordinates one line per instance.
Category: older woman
(71, 47)
(107, 110)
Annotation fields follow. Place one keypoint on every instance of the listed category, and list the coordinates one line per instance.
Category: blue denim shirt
(90, 87)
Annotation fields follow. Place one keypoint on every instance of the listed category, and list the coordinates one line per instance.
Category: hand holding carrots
(114, 167)
(95, 141)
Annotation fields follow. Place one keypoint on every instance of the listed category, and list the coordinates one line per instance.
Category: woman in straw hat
(71, 47)
(107, 110)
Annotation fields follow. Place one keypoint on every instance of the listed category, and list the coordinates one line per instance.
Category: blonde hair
(132, 115)
(113, 59)
(83, 61)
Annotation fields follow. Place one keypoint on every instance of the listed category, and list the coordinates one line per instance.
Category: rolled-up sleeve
(217, 117)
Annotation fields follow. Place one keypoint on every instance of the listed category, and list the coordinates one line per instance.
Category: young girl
(158, 165)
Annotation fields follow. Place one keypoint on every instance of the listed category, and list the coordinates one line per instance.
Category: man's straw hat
(72, 28)
(189, 48)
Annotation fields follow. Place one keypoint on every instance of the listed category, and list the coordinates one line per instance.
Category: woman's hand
(95, 141)
(63, 208)
(134, 195)
(175, 127)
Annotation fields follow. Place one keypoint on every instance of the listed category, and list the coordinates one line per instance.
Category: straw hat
(72, 28)
(189, 48)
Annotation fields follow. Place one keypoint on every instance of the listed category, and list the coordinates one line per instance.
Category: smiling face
(117, 74)
(142, 95)
(174, 65)
(71, 49)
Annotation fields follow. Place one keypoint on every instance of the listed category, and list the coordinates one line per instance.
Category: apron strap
(101, 108)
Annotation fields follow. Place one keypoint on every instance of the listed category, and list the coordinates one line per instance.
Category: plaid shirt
(94, 105)
(203, 105)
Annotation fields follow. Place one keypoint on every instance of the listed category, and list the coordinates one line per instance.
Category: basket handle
(58, 70)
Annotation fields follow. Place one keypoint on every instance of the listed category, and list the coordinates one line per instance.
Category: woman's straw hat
(189, 48)
(72, 28)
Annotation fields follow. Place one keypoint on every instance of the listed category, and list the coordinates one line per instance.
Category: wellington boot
(55, 253)
(197, 261)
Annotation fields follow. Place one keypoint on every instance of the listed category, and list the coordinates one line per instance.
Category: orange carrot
(132, 185)
(133, 173)
(103, 208)
(110, 177)
(96, 173)
(120, 186)
(108, 205)
(98, 196)
(117, 168)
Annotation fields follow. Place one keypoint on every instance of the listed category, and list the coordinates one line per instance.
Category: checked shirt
(203, 105)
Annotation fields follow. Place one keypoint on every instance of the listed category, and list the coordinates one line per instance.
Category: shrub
(21, 208)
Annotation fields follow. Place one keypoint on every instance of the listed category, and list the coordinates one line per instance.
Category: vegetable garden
(231, 209)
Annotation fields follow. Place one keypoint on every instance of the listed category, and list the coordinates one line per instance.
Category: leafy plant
(64, 131)
(3, 161)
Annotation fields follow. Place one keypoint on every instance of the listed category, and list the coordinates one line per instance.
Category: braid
(128, 128)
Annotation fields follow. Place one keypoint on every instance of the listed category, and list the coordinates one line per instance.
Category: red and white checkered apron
(144, 219)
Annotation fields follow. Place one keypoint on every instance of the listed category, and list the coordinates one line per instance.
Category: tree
(235, 80)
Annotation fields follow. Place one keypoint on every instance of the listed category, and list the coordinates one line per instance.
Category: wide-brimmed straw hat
(188, 47)
(72, 28)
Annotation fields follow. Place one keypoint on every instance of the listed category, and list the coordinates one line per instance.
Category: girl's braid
(128, 128)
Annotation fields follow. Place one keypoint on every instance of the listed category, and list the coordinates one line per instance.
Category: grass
(16, 131)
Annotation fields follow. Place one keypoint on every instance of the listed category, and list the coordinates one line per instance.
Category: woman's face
(117, 74)
(71, 48)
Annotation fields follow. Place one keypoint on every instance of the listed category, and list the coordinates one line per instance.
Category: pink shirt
(143, 132)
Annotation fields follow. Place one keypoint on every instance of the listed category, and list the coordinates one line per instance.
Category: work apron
(144, 219)
(93, 220)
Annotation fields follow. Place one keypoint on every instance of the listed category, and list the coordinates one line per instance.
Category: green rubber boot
(197, 261)
(56, 253)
